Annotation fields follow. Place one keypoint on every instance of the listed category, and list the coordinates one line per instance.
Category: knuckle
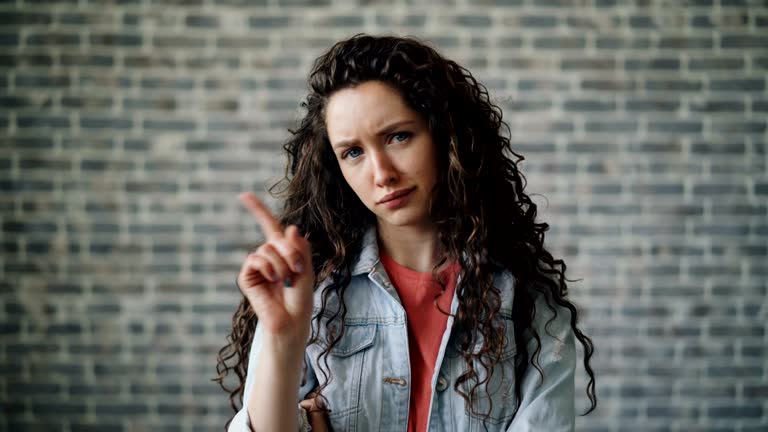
(267, 247)
(295, 256)
(253, 260)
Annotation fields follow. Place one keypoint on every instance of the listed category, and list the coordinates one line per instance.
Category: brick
(17, 60)
(170, 125)
(592, 147)
(737, 331)
(673, 85)
(732, 85)
(651, 105)
(22, 426)
(86, 60)
(735, 412)
(106, 165)
(705, 147)
(610, 126)
(717, 106)
(499, 2)
(178, 42)
(104, 80)
(52, 39)
(675, 126)
(672, 412)
(559, 42)
(49, 81)
(78, 19)
(737, 126)
(716, 63)
(58, 409)
(103, 122)
(64, 329)
(183, 409)
(154, 228)
(543, 84)
(743, 41)
(202, 21)
(608, 85)
(243, 42)
(279, 21)
(622, 42)
(168, 83)
(482, 21)
(26, 185)
(9, 39)
(538, 21)
(149, 60)
(295, 2)
(642, 22)
(344, 21)
(116, 39)
(96, 427)
(686, 42)
(718, 189)
(159, 103)
(24, 18)
(756, 391)
(121, 409)
(589, 105)
(16, 102)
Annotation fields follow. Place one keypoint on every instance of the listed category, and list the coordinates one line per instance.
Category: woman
(405, 284)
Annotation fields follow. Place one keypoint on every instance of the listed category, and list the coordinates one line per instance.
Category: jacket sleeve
(241, 422)
(549, 404)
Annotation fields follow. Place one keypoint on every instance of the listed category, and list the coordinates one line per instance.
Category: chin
(404, 219)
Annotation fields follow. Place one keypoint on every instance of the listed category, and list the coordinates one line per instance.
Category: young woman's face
(385, 151)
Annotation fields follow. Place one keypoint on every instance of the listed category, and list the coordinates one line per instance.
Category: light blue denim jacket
(371, 383)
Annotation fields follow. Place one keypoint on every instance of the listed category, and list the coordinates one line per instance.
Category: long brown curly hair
(483, 218)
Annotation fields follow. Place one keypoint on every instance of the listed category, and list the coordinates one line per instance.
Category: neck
(415, 248)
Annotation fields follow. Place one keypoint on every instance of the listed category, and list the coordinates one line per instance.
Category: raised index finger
(271, 227)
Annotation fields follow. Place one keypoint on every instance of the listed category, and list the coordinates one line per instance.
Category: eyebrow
(384, 131)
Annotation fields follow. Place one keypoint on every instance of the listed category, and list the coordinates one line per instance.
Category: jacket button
(442, 383)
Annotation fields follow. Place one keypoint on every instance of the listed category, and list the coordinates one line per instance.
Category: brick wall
(129, 127)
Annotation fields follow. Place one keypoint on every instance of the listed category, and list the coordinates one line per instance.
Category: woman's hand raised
(278, 278)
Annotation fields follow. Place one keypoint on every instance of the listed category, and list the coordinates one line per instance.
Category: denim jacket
(370, 389)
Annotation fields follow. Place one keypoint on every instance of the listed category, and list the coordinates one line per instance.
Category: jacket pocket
(347, 361)
(499, 400)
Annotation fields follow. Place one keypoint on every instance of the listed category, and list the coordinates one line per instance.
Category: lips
(396, 194)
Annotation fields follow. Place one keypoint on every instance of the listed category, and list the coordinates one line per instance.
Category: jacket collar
(369, 253)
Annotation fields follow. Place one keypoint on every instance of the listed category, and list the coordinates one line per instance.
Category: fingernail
(287, 282)
(299, 267)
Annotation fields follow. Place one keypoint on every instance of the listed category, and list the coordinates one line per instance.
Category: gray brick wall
(129, 127)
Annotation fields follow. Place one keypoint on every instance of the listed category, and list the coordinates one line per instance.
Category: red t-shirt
(426, 325)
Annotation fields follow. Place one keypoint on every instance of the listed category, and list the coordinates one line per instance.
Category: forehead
(356, 111)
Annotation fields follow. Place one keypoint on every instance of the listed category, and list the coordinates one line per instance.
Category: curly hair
(483, 218)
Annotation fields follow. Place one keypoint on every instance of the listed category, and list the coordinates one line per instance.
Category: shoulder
(504, 281)
(547, 311)
(552, 323)
(550, 318)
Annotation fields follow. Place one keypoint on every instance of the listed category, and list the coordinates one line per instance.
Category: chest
(368, 373)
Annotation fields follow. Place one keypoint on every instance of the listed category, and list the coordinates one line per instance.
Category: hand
(278, 279)
(318, 417)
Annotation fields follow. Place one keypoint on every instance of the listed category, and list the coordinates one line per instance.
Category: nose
(384, 171)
